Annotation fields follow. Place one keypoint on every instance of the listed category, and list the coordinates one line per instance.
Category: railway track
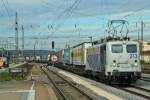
(65, 89)
(138, 91)
(142, 92)
(140, 88)
(145, 79)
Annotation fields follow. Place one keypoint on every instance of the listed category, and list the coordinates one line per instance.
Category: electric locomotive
(114, 61)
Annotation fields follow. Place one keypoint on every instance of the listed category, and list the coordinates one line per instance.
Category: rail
(135, 92)
(62, 85)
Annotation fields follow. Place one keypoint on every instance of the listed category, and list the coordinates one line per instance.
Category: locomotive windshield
(117, 48)
(131, 48)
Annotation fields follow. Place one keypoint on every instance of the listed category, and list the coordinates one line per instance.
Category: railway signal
(53, 45)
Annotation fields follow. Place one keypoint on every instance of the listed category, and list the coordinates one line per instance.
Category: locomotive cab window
(131, 48)
(117, 48)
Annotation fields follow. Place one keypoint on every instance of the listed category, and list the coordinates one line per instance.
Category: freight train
(112, 60)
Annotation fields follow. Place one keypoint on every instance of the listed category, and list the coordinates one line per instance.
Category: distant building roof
(146, 52)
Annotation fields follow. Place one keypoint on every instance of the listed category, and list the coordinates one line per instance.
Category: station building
(145, 54)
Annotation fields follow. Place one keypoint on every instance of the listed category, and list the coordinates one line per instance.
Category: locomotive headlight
(135, 64)
(114, 64)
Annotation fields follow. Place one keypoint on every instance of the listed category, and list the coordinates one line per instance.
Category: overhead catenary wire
(6, 8)
(2, 9)
(65, 13)
(69, 14)
(146, 6)
(8, 5)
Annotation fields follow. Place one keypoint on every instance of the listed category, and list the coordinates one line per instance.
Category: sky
(68, 22)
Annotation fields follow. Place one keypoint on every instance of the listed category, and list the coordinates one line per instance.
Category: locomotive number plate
(132, 56)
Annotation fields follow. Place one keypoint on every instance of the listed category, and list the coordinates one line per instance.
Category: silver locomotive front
(123, 61)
